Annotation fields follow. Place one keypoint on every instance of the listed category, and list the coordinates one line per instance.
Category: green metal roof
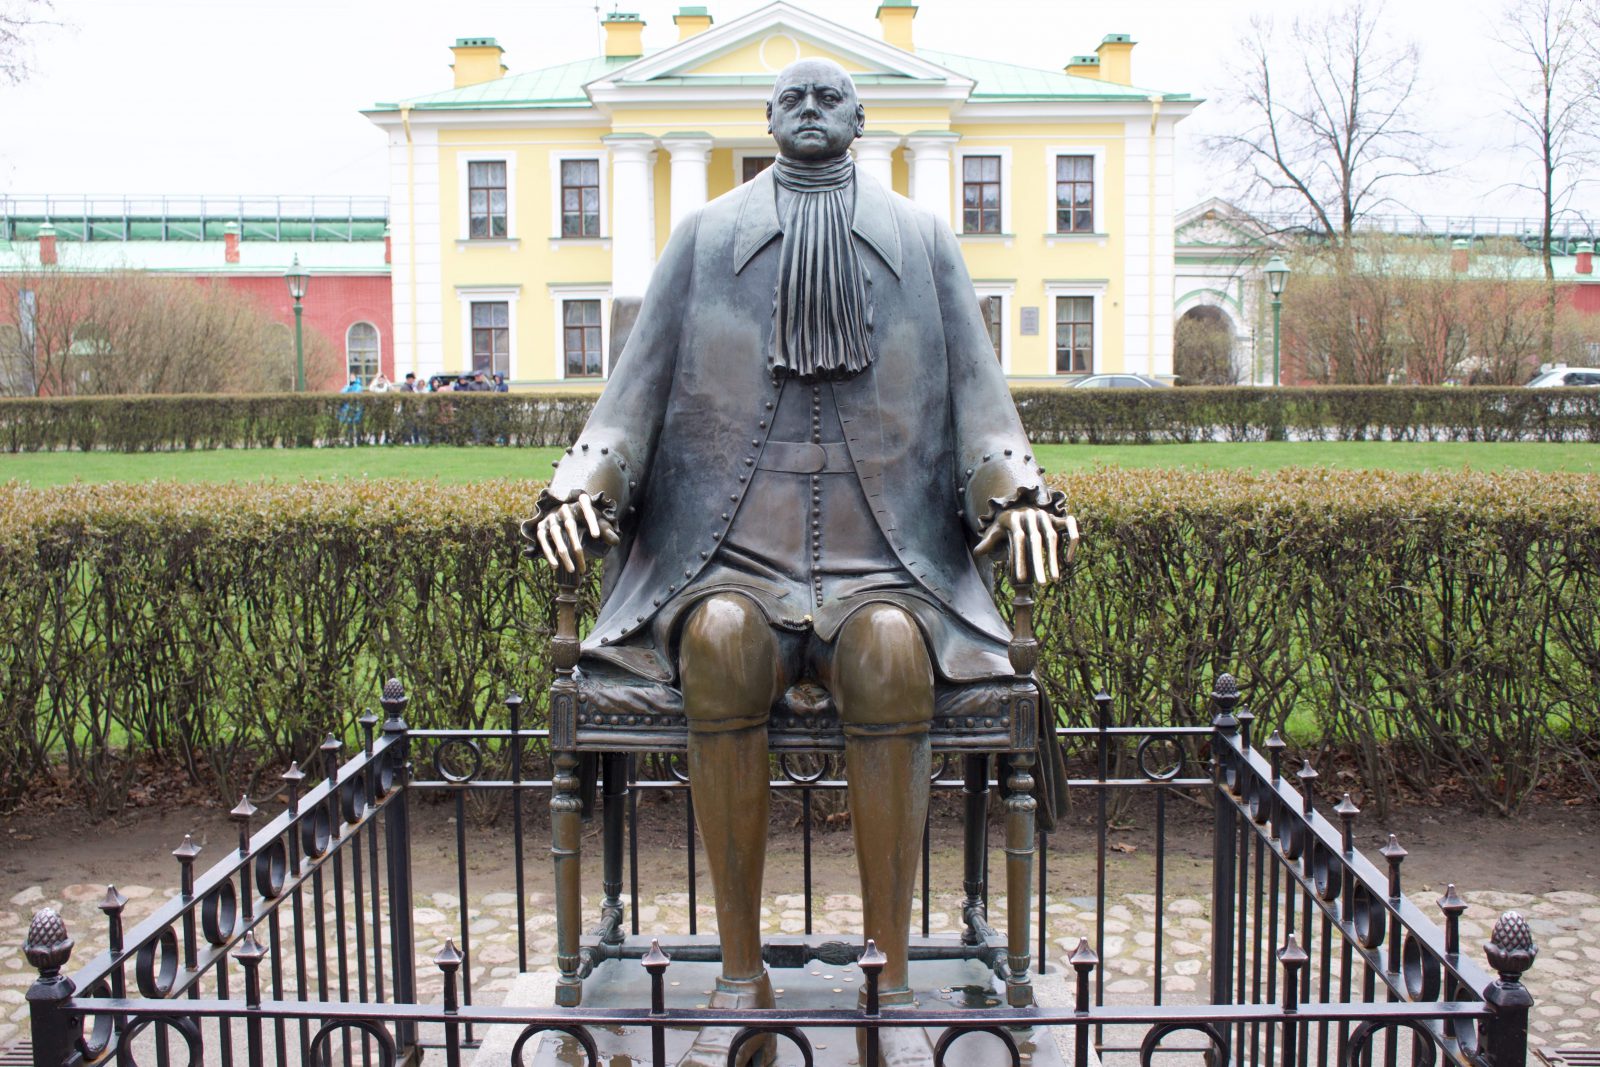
(558, 86)
(562, 86)
(1007, 81)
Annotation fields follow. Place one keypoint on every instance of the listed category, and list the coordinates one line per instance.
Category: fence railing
(303, 944)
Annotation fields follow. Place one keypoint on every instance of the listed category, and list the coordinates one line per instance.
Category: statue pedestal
(941, 985)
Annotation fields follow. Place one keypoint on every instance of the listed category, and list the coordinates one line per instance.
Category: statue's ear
(769, 116)
(861, 120)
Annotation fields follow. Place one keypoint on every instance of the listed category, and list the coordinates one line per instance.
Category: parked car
(1563, 376)
(1120, 381)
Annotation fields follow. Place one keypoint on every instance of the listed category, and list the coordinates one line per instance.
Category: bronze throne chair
(598, 719)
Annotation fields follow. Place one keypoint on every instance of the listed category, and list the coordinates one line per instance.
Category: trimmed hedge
(1444, 628)
(1051, 415)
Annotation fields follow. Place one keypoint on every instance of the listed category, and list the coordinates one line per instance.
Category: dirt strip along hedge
(1052, 415)
(1443, 628)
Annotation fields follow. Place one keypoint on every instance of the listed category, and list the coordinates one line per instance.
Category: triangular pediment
(1217, 223)
(760, 44)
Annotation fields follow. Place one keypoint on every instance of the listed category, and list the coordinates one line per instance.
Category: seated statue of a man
(805, 443)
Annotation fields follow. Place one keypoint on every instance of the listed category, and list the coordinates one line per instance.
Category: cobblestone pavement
(1565, 981)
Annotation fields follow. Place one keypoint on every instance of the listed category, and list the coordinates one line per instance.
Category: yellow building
(523, 203)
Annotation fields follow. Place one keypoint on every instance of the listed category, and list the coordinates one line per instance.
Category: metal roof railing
(194, 218)
(1567, 232)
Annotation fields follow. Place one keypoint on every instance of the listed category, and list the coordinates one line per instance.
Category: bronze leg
(883, 683)
(729, 667)
(728, 661)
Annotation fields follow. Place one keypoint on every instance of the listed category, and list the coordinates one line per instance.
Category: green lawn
(471, 464)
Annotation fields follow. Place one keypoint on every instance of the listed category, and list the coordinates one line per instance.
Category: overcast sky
(251, 96)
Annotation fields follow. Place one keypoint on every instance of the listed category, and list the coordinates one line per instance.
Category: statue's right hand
(562, 539)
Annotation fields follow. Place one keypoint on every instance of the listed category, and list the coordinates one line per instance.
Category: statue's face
(814, 113)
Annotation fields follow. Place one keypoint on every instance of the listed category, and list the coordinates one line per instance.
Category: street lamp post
(1277, 272)
(298, 278)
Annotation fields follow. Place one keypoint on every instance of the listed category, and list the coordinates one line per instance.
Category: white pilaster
(415, 238)
(690, 154)
(875, 156)
(930, 170)
(632, 195)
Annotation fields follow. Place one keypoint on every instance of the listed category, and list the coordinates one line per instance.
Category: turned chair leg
(975, 794)
(566, 836)
(615, 799)
(1020, 805)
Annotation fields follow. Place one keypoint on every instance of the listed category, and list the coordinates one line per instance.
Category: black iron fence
(302, 945)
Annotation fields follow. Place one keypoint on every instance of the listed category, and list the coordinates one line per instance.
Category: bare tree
(126, 332)
(1550, 100)
(1326, 115)
(19, 19)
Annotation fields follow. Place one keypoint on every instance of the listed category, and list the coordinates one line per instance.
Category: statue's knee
(728, 663)
(883, 676)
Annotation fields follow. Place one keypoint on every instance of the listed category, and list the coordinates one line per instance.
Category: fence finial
(1510, 948)
(48, 946)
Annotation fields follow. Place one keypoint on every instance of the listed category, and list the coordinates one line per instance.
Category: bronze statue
(805, 443)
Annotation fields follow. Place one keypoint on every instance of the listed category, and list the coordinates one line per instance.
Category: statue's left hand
(1033, 537)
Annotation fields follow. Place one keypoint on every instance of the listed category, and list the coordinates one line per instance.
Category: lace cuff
(1036, 496)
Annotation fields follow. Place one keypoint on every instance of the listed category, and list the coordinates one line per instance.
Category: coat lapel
(758, 224)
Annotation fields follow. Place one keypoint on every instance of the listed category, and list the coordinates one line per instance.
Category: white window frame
(468, 295)
(959, 160)
(559, 295)
(1099, 154)
(601, 157)
(742, 154)
(1097, 292)
(378, 333)
(464, 215)
(1006, 292)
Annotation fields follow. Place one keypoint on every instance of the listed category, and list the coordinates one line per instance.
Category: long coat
(671, 445)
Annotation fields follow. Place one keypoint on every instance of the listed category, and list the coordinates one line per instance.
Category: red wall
(333, 302)
(1584, 297)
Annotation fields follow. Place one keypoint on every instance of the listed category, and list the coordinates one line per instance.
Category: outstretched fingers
(589, 517)
(569, 520)
(550, 535)
(1031, 522)
(1052, 545)
(1019, 560)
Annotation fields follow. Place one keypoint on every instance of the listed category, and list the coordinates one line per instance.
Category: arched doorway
(1203, 347)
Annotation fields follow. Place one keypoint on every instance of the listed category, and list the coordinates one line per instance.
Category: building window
(1074, 194)
(361, 352)
(486, 200)
(491, 337)
(994, 318)
(580, 333)
(980, 194)
(1074, 334)
(580, 198)
(752, 165)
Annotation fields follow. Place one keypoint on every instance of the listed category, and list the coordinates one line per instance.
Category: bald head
(813, 112)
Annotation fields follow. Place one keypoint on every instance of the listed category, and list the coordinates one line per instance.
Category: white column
(690, 153)
(632, 239)
(930, 170)
(875, 156)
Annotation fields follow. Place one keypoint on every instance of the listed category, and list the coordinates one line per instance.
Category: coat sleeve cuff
(601, 473)
(994, 487)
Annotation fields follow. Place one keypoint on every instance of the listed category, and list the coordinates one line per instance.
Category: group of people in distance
(476, 382)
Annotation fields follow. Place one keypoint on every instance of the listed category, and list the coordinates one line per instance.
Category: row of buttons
(816, 499)
(727, 515)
